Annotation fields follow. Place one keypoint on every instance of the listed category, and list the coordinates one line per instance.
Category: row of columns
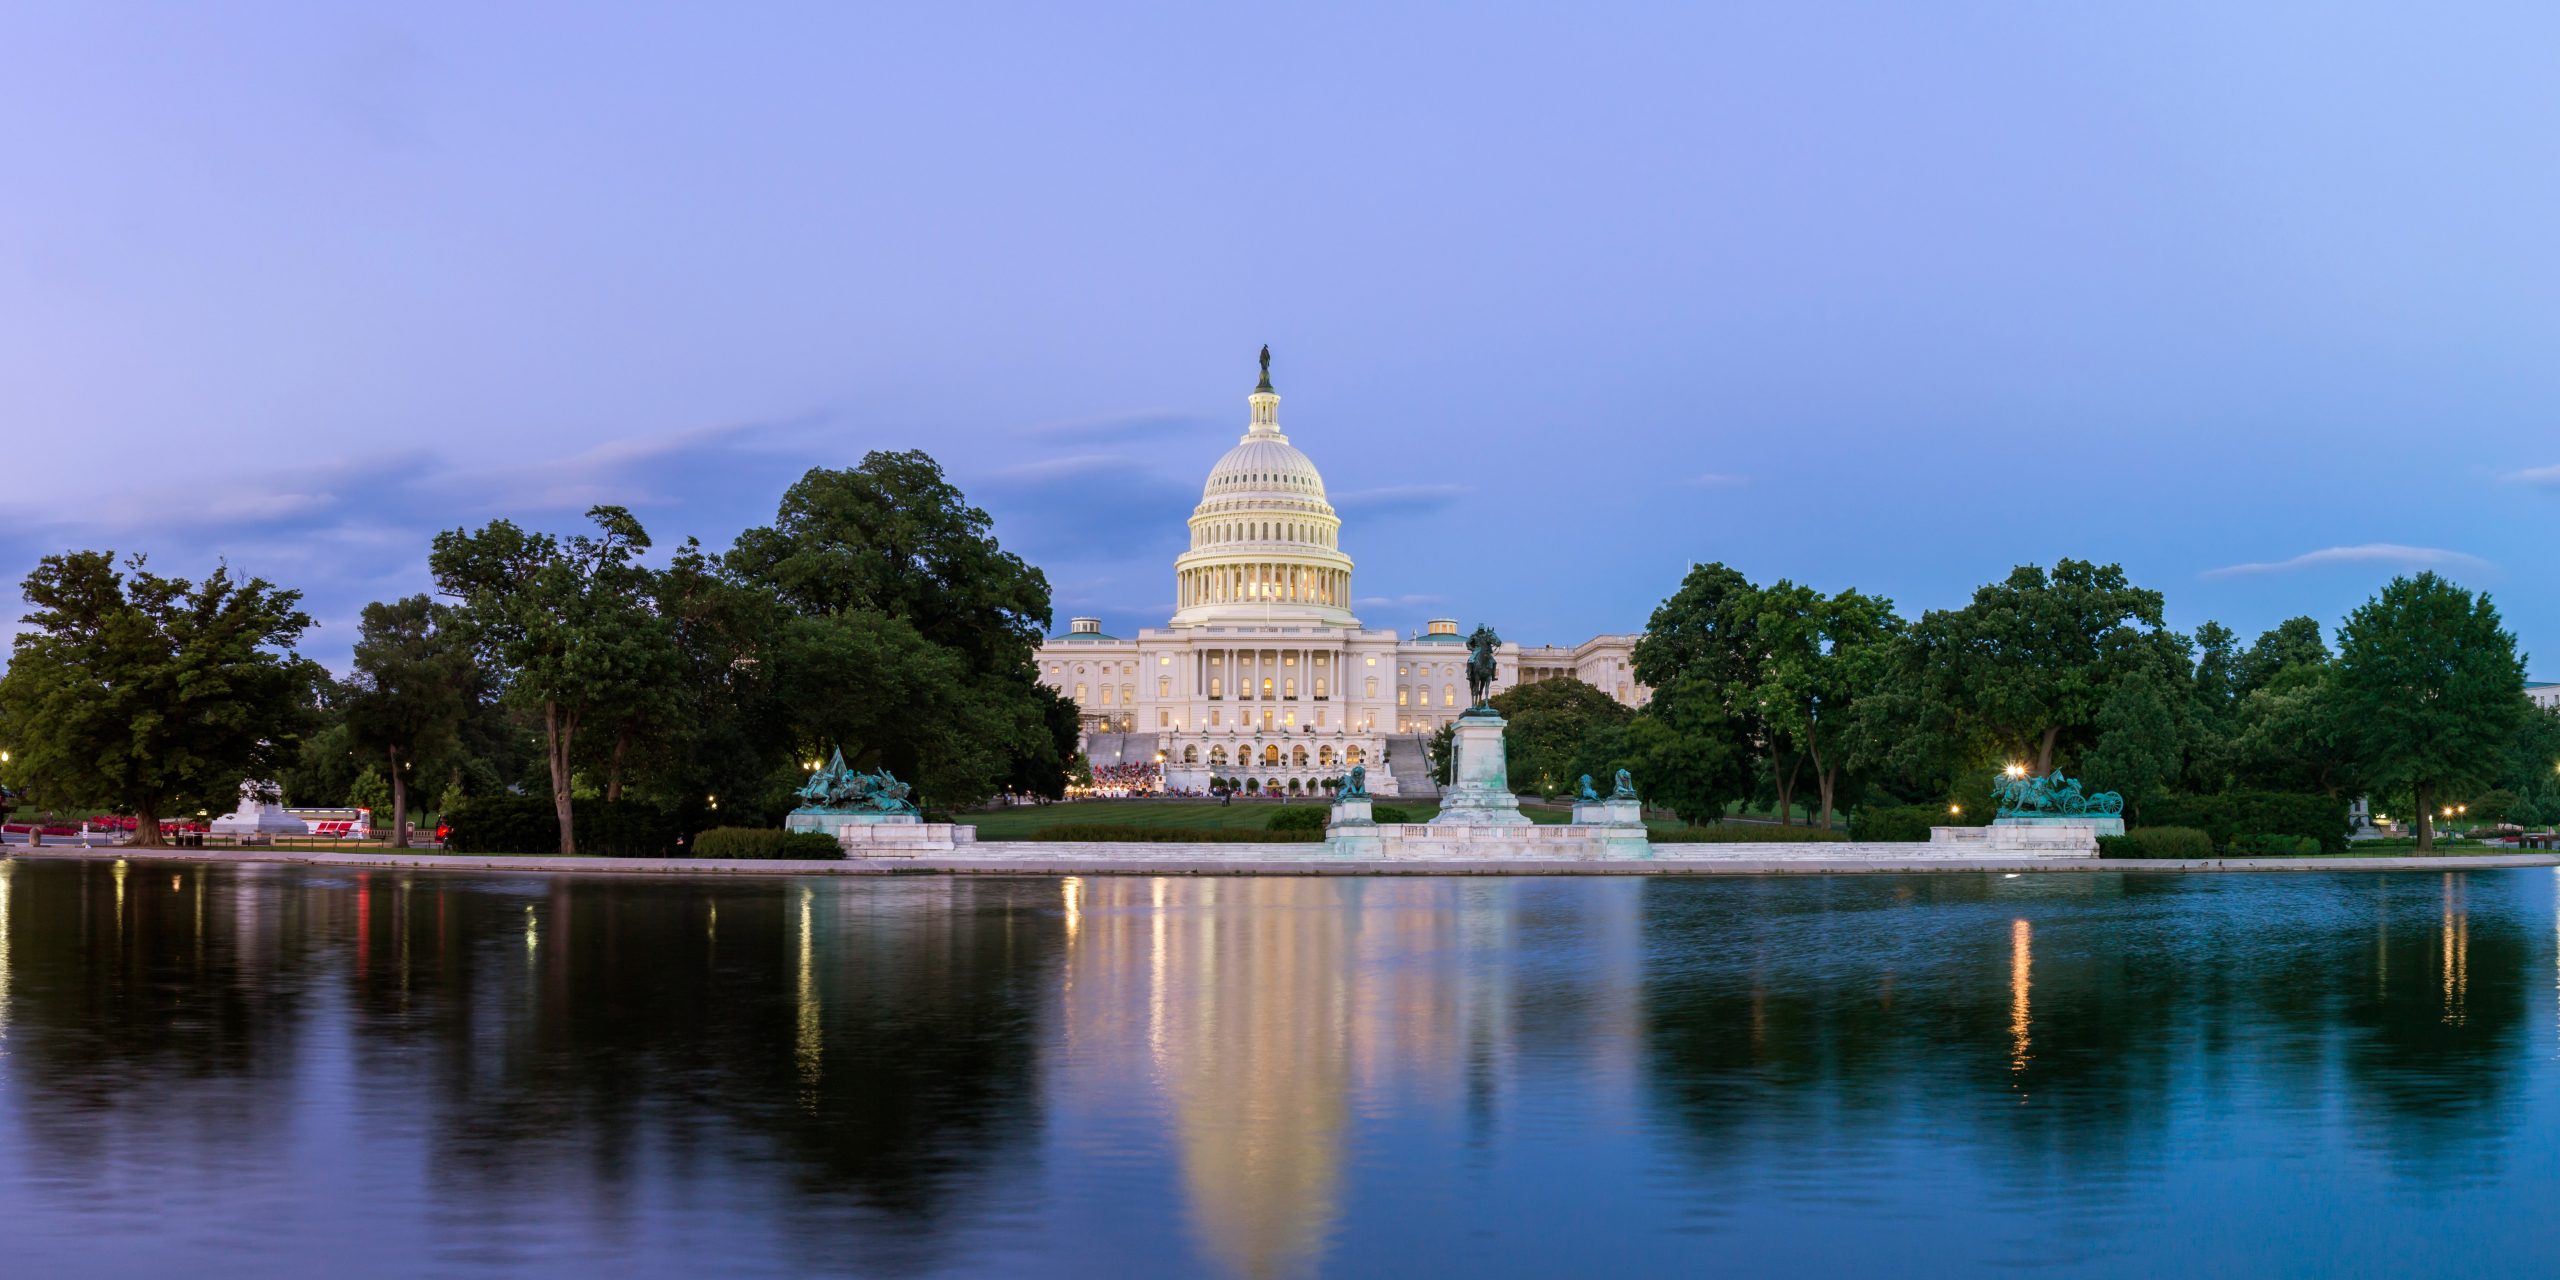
(1290, 583)
(1289, 681)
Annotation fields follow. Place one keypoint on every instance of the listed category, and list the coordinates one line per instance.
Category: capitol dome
(1265, 545)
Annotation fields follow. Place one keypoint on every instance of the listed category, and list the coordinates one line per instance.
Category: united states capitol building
(1263, 674)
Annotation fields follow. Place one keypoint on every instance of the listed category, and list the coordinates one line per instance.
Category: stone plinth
(1351, 832)
(1608, 813)
(1479, 793)
(2075, 838)
(897, 835)
(260, 817)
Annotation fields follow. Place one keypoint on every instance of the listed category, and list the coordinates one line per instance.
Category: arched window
(1271, 754)
(1403, 695)
(1128, 693)
(1351, 755)
(1324, 756)
(1448, 695)
(1191, 754)
(1217, 757)
(1298, 756)
(1106, 695)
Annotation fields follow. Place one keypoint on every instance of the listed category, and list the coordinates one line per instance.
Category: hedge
(1383, 813)
(1747, 833)
(1301, 818)
(2234, 814)
(1108, 833)
(763, 843)
(1911, 821)
(527, 824)
(2157, 842)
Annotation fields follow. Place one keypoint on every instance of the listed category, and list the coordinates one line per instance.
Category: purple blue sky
(2261, 300)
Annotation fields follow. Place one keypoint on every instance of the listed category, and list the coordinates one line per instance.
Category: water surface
(235, 1069)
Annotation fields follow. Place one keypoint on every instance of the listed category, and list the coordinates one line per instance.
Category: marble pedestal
(1617, 825)
(884, 835)
(1351, 832)
(259, 817)
(2050, 838)
(1479, 793)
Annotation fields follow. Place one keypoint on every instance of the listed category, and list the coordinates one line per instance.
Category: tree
(1818, 656)
(564, 627)
(2289, 735)
(1682, 752)
(2027, 664)
(1706, 640)
(893, 536)
(1442, 752)
(2137, 751)
(2431, 691)
(152, 694)
(1557, 731)
(413, 683)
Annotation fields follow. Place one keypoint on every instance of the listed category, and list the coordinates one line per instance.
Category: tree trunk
(613, 775)
(2426, 827)
(2044, 752)
(146, 826)
(1786, 784)
(558, 729)
(399, 802)
(1829, 780)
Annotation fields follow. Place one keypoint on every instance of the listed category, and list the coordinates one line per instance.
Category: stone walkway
(1304, 859)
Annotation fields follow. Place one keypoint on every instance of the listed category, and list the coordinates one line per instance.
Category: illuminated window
(1214, 683)
(1448, 695)
(1402, 695)
(1164, 686)
(1288, 688)
(1079, 693)
(1370, 688)
(1106, 700)
(1266, 687)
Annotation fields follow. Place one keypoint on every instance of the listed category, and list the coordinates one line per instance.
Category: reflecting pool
(225, 1069)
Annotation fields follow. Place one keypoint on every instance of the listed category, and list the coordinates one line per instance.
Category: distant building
(2545, 696)
(1263, 674)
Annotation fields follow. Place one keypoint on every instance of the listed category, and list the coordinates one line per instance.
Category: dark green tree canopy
(892, 536)
(2430, 692)
(151, 694)
(1559, 730)
(412, 684)
(2028, 664)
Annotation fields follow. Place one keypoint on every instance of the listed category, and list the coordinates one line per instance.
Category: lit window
(1401, 695)
(1106, 696)
(1448, 695)
(1079, 693)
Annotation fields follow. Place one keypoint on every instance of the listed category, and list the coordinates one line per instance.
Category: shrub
(1749, 833)
(2157, 842)
(526, 824)
(738, 842)
(1911, 821)
(1299, 818)
(2236, 813)
(1388, 813)
(1110, 833)
(2272, 845)
(810, 844)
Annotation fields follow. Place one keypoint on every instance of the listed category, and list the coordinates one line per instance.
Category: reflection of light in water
(2457, 950)
(5, 871)
(531, 938)
(119, 874)
(2021, 961)
(808, 1048)
(1071, 895)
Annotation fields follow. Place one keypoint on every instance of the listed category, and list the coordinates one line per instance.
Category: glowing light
(531, 937)
(1955, 808)
(2021, 966)
(2017, 771)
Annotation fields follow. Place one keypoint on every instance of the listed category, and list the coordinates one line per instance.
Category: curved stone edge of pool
(1293, 860)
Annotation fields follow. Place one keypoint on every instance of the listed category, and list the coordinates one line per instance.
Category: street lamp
(2017, 770)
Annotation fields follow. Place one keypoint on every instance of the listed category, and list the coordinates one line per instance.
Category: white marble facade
(1263, 672)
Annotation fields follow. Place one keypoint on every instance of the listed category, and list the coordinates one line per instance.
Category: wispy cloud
(2383, 554)
(1398, 602)
(1401, 498)
(1145, 424)
(2539, 477)
(1714, 480)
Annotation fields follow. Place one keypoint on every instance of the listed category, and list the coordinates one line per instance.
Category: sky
(2260, 301)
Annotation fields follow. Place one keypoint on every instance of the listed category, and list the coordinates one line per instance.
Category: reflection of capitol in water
(1265, 1013)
